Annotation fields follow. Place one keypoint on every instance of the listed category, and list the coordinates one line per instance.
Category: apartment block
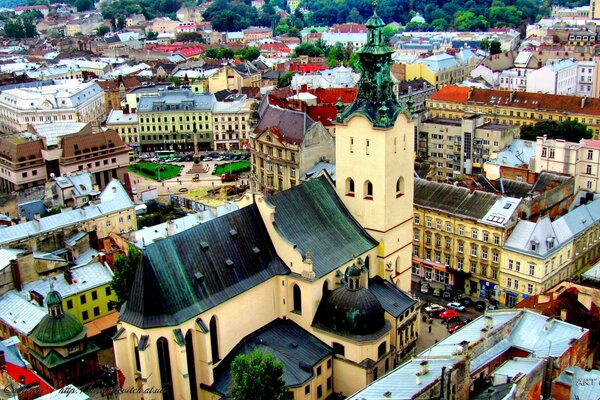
(461, 146)
(514, 108)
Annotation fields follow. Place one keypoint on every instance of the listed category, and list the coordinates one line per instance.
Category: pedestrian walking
(429, 328)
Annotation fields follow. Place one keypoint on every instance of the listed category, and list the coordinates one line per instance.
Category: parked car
(449, 314)
(493, 306)
(456, 306)
(455, 327)
(425, 288)
(437, 292)
(480, 305)
(447, 294)
(434, 308)
(208, 158)
(466, 301)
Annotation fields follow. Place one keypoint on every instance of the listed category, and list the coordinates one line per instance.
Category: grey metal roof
(393, 300)
(512, 367)
(401, 382)
(186, 274)
(113, 199)
(298, 350)
(19, 313)
(85, 277)
(312, 217)
(574, 376)
(176, 98)
(460, 201)
(6, 255)
(537, 334)
(547, 178)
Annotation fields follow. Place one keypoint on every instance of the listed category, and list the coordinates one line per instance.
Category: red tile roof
(520, 100)
(17, 372)
(274, 47)
(454, 94)
(349, 28)
(595, 144)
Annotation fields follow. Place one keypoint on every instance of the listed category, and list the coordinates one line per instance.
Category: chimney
(23, 219)
(424, 367)
(548, 324)
(170, 227)
(488, 322)
(470, 93)
(563, 314)
(585, 299)
(418, 378)
(543, 298)
(304, 88)
(68, 276)
(484, 333)
(16, 274)
(512, 96)
(583, 101)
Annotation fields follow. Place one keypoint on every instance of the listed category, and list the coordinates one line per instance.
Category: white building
(513, 79)
(587, 78)
(67, 100)
(581, 160)
(232, 123)
(557, 78)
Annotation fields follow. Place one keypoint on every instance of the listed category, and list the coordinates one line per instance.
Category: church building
(312, 274)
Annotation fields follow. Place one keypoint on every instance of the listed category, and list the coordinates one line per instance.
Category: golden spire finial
(374, 5)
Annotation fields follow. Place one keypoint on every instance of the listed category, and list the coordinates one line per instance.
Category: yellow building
(514, 108)
(85, 290)
(233, 123)
(539, 255)
(170, 119)
(458, 236)
(443, 69)
(234, 77)
(298, 273)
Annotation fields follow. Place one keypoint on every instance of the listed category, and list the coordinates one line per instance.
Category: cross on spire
(374, 5)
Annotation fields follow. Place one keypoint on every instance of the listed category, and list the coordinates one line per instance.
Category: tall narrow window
(297, 299)
(400, 187)
(368, 190)
(349, 187)
(191, 365)
(367, 147)
(164, 366)
(214, 339)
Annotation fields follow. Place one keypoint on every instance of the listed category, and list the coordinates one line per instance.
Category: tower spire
(375, 98)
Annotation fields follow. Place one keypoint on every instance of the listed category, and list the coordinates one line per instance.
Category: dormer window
(550, 242)
(534, 245)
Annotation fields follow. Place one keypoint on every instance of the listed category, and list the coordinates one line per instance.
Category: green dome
(418, 19)
(53, 298)
(58, 330)
(353, 271)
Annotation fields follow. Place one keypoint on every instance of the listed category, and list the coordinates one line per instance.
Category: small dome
(418, 19)
(58, 330)
(53, 297)
(353, 270)
(356, 312)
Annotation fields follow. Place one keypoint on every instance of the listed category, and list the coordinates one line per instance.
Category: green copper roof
(375, 98)
(58, 330)
(53, 359)
(53, 298)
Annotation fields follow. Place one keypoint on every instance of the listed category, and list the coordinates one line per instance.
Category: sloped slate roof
(298, 350)
(393, 300)
(452, 199)
(195, 270)
(312, 217)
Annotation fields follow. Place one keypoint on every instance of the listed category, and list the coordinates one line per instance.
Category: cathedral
(316, 275)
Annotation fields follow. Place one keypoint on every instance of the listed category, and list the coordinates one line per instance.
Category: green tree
(308, 49)
(151, 35)
(29, 29)
(485, 44)
(190, 37)
(257, 376)
(84, 5)
(439, 25)
(495, 47)
(247, 53)
(285, 79)
(124, 269)
(102, 30)
(14, 29)
(569, 130)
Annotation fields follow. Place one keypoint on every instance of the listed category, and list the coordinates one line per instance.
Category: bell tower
(374, 159)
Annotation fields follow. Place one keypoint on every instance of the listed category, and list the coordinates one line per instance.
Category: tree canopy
(569, 130)
(257, 376)
(124, 269)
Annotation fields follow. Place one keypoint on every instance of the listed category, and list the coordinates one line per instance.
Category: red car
(448, 314)
(454, 328)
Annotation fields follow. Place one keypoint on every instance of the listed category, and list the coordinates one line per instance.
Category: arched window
(214, 339)
(189, 353)
(164, 366)
(368, 190)
(367, 262)
(325, 288)
(400, 187)
(297, 299)
(338, 348)
(349, 187)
